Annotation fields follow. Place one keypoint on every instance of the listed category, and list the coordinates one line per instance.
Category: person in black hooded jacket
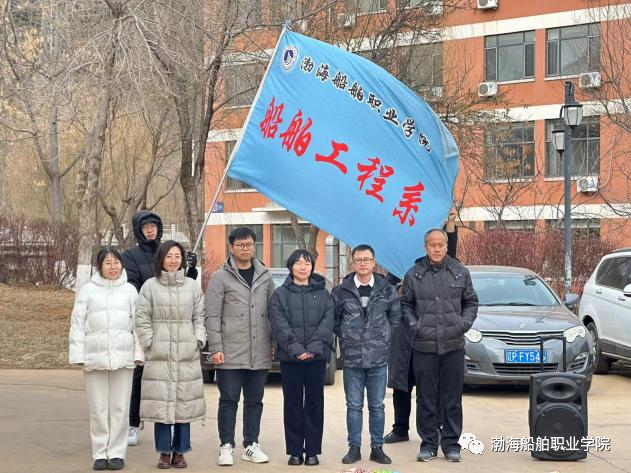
(301, 315)
(139, 266)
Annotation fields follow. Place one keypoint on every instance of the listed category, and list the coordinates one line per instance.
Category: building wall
(534, 99)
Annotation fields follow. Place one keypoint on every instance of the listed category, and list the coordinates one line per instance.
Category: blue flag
(340, 142)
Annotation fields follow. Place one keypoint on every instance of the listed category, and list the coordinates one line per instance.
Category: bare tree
(149, 171)
(33, 56)
(613, 101)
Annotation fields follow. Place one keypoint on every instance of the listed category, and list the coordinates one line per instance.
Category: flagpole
(238, 144)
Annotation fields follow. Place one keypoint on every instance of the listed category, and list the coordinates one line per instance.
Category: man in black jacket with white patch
(438, 305)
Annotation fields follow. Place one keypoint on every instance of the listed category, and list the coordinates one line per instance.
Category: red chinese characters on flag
(332, 158)
(407, 205)
(269, 125)
(367, 171)
(297, 136)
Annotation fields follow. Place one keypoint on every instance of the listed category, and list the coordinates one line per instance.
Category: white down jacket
(170, 327)
(102, 334)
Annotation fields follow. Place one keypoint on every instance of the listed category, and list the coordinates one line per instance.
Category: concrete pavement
(44, 419)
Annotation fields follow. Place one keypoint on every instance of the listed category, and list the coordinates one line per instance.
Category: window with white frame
(243, 14)
(365, 6)
(282, 10)
(573, 49)
(284, 243)
(511, 225)
(241, 83)
(233, 184)
(582, 227)
(421, 65)
(509, 151)
(431, 7)
(585, 149)
(509, 56)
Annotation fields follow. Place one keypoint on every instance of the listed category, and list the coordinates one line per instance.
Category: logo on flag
(290, 56)
(343, 144)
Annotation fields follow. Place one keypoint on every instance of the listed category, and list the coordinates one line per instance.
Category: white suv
(605, 309)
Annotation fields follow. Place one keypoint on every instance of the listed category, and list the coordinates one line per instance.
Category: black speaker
(558, 410)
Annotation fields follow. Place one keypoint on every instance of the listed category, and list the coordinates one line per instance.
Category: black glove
(191, 259)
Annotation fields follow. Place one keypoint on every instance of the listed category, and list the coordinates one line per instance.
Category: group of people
(138, 326)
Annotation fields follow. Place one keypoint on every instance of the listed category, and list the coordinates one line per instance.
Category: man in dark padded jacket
(438, 306)
(401, 372)
(139, 266)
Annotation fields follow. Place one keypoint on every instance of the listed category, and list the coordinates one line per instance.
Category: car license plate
(525, 356)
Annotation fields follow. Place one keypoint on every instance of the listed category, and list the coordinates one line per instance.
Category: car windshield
(512, 290)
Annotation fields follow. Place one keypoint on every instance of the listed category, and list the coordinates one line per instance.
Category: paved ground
(44, 422)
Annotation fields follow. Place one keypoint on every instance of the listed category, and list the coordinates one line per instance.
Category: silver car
(517, 308)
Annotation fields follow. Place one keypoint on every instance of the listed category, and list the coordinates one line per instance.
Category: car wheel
(329, 376)
(602, 364)
(208, 376)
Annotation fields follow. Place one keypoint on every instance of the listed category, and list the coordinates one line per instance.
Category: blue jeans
(179, 443)
(373, 380)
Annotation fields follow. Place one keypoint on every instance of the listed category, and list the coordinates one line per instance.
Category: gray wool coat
(170, 328)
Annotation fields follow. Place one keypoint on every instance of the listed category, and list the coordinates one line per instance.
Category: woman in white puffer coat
(103, 341)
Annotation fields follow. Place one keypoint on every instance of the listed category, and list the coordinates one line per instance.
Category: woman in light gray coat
(170, 327)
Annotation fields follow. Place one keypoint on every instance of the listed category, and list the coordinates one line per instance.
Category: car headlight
(571, 334)
(473, 335)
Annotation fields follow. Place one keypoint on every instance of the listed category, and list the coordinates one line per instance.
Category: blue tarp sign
(340, 142)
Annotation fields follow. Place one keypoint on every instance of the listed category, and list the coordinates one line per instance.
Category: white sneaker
(253, 453)
(132, 438)
(225, 455)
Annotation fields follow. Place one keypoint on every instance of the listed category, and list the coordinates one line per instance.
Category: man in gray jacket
(367, 312)
(239, 338)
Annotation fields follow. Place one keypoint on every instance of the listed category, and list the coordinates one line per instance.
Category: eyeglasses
(244, 246)
(363, 260)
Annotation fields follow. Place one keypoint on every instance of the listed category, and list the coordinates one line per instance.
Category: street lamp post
(570, 116)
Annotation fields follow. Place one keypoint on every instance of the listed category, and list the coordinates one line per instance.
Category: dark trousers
(134, 401)
(230, 383)
(172, 437)
(303, 406)
(447, 371)
(402, 402)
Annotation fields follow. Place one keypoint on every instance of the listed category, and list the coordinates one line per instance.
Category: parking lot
(45, 429)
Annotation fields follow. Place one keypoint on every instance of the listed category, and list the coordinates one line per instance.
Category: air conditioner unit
(345, 20)
(487, 89)
(487, 4)
(587, 184)
(589, 80)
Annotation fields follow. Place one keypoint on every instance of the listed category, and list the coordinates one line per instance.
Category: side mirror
(626, 292)
(571, 300)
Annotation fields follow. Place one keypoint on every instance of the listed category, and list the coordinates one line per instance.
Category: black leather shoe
(116, 464)
(377, 455)
(100, 464)
(353, 455)
(312, 461)
(294, 460)
(394, 437)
